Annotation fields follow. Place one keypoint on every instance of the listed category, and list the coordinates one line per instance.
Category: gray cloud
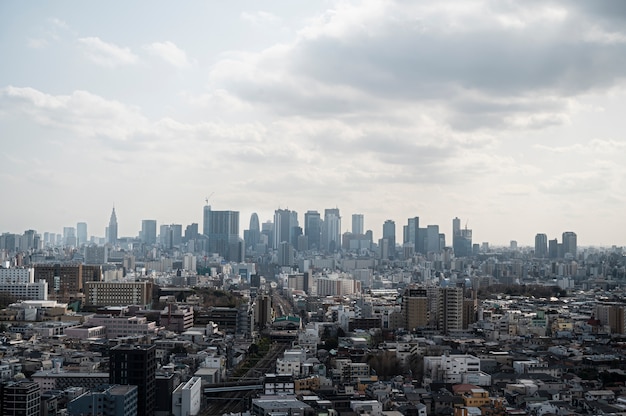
(510, 55)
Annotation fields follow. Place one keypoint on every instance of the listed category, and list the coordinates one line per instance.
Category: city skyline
(506, 115)
(147, 230)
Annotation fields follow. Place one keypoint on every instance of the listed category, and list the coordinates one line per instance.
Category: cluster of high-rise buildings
(552, 249)
(286, 235)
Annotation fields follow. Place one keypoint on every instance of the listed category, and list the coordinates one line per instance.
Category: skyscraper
(357, 224)
(206, 218)
(331, 233)
(177, 234)
(461, 239)
(411, 232)
(313, 228)
(433, 243)
(112, 230)
(553, 248)
(223, 233)
(81, 233)
(149, 232)
(69, 236)
(541, 246)
(191, 232)
(570, 243)
(285, 226)
(285, 254)
(135, 365)
(165, 236)
(389, 234)
(252, 236)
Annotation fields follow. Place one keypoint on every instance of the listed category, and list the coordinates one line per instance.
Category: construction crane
(207, 198)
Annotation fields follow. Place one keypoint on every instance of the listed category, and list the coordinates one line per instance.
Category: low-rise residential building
(59, 380)
(124, 326)
(107, 400)
(118, 293)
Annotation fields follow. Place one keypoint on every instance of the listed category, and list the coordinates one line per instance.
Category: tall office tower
(553, 249)
(81, 233)
(21, 398)
(389, 234)
(383, 248)
(432, 239)
(285, 254)
(27, 241)
(411, 231)
(295, 230)
(461, 239)
(331, 231)
(191, 232)
(206, 220)
(415, 308)
(223, 234)
(456, 227)
(177, 234)
(252, 236)
(112, 229)
(9, 242)
(135, 365)
(165, 236)
(541, 246)
(149, 232)
(267, 233)
(357, 224)
(569, 243)
(313, 228)
(69, 236)
(422, 239)
(450, 309)
(282, 227)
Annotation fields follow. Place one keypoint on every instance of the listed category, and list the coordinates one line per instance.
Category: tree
(385, 364)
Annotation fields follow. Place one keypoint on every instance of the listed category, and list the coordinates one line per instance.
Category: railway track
(239, 401)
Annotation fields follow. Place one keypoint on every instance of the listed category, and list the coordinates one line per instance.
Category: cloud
(82, 113)
(170, 53)
(593, 146)
(599, 178)
(36, 43)
(505, 57)
(107, 54)
(260, 18)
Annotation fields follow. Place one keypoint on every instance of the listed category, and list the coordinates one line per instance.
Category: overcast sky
(508, 114)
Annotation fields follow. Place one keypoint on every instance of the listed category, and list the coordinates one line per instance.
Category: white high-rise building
(331, 234)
